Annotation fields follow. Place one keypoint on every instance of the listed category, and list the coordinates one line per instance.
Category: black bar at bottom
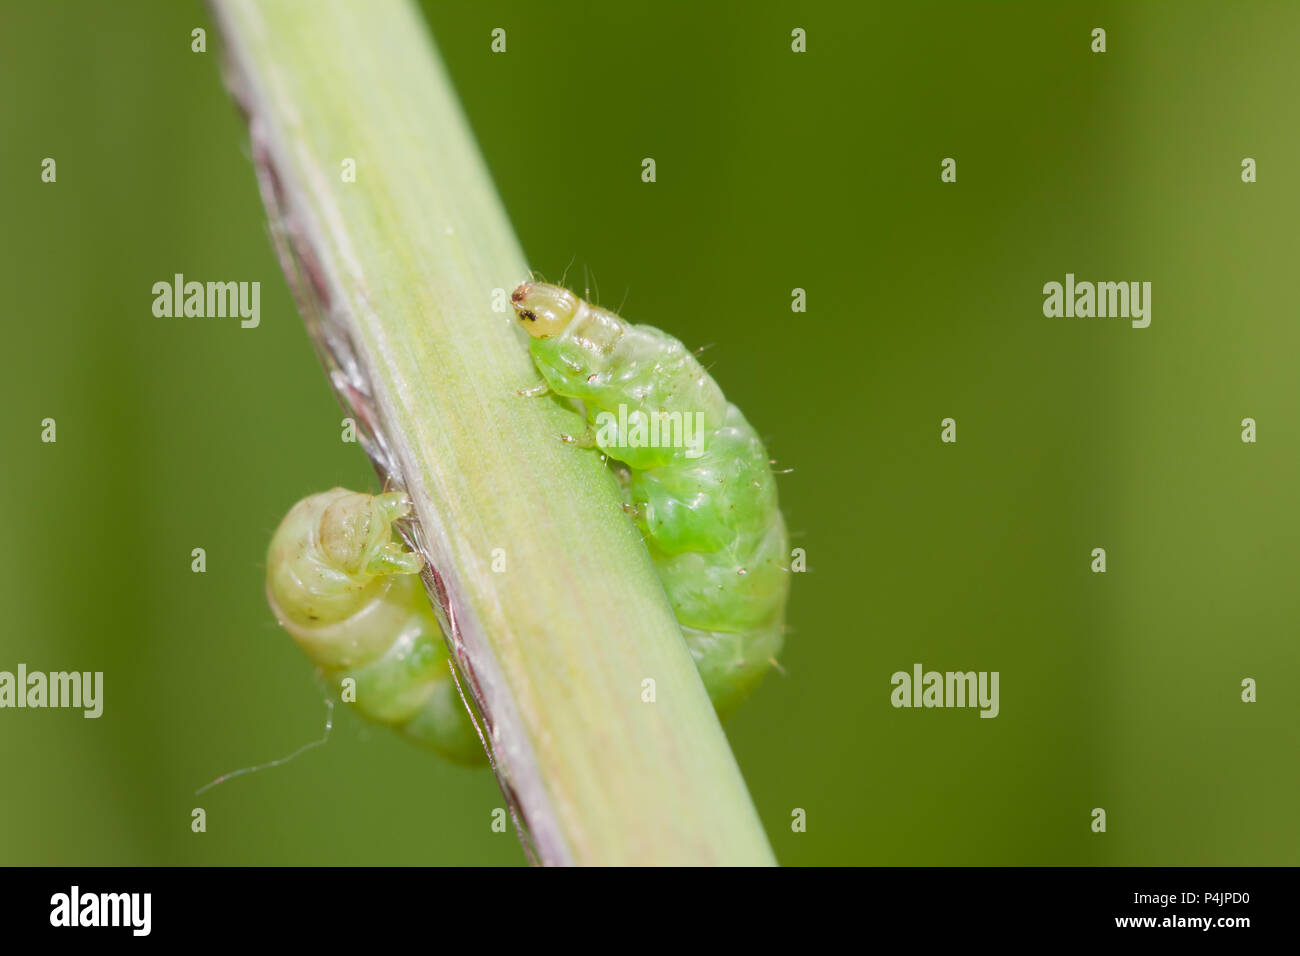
(338, 906)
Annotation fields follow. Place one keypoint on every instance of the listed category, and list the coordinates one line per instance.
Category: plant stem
(395, 275)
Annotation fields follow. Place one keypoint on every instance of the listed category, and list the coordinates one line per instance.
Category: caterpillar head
(333, 553)
(355, 529)
(544, 309)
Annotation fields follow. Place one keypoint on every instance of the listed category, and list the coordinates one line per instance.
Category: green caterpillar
(706, 503)
(352, 599)
(696, 479)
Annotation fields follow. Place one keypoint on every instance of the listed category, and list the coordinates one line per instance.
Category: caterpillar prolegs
(695, 477)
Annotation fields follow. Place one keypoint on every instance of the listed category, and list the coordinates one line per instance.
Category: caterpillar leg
(389, 557)
(351, 598)
(534, 391)
(585, 439)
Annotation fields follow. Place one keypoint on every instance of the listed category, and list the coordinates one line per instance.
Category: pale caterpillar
(352, 597)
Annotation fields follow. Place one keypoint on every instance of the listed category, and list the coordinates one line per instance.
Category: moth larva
(353, 601)
(708, 510)
(352, 598)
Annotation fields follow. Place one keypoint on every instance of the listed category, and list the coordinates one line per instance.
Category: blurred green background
(775, 170)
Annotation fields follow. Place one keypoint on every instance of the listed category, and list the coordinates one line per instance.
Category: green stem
(395, 274)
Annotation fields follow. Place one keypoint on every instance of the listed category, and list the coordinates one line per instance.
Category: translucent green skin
(712, 523)
(353, 601)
